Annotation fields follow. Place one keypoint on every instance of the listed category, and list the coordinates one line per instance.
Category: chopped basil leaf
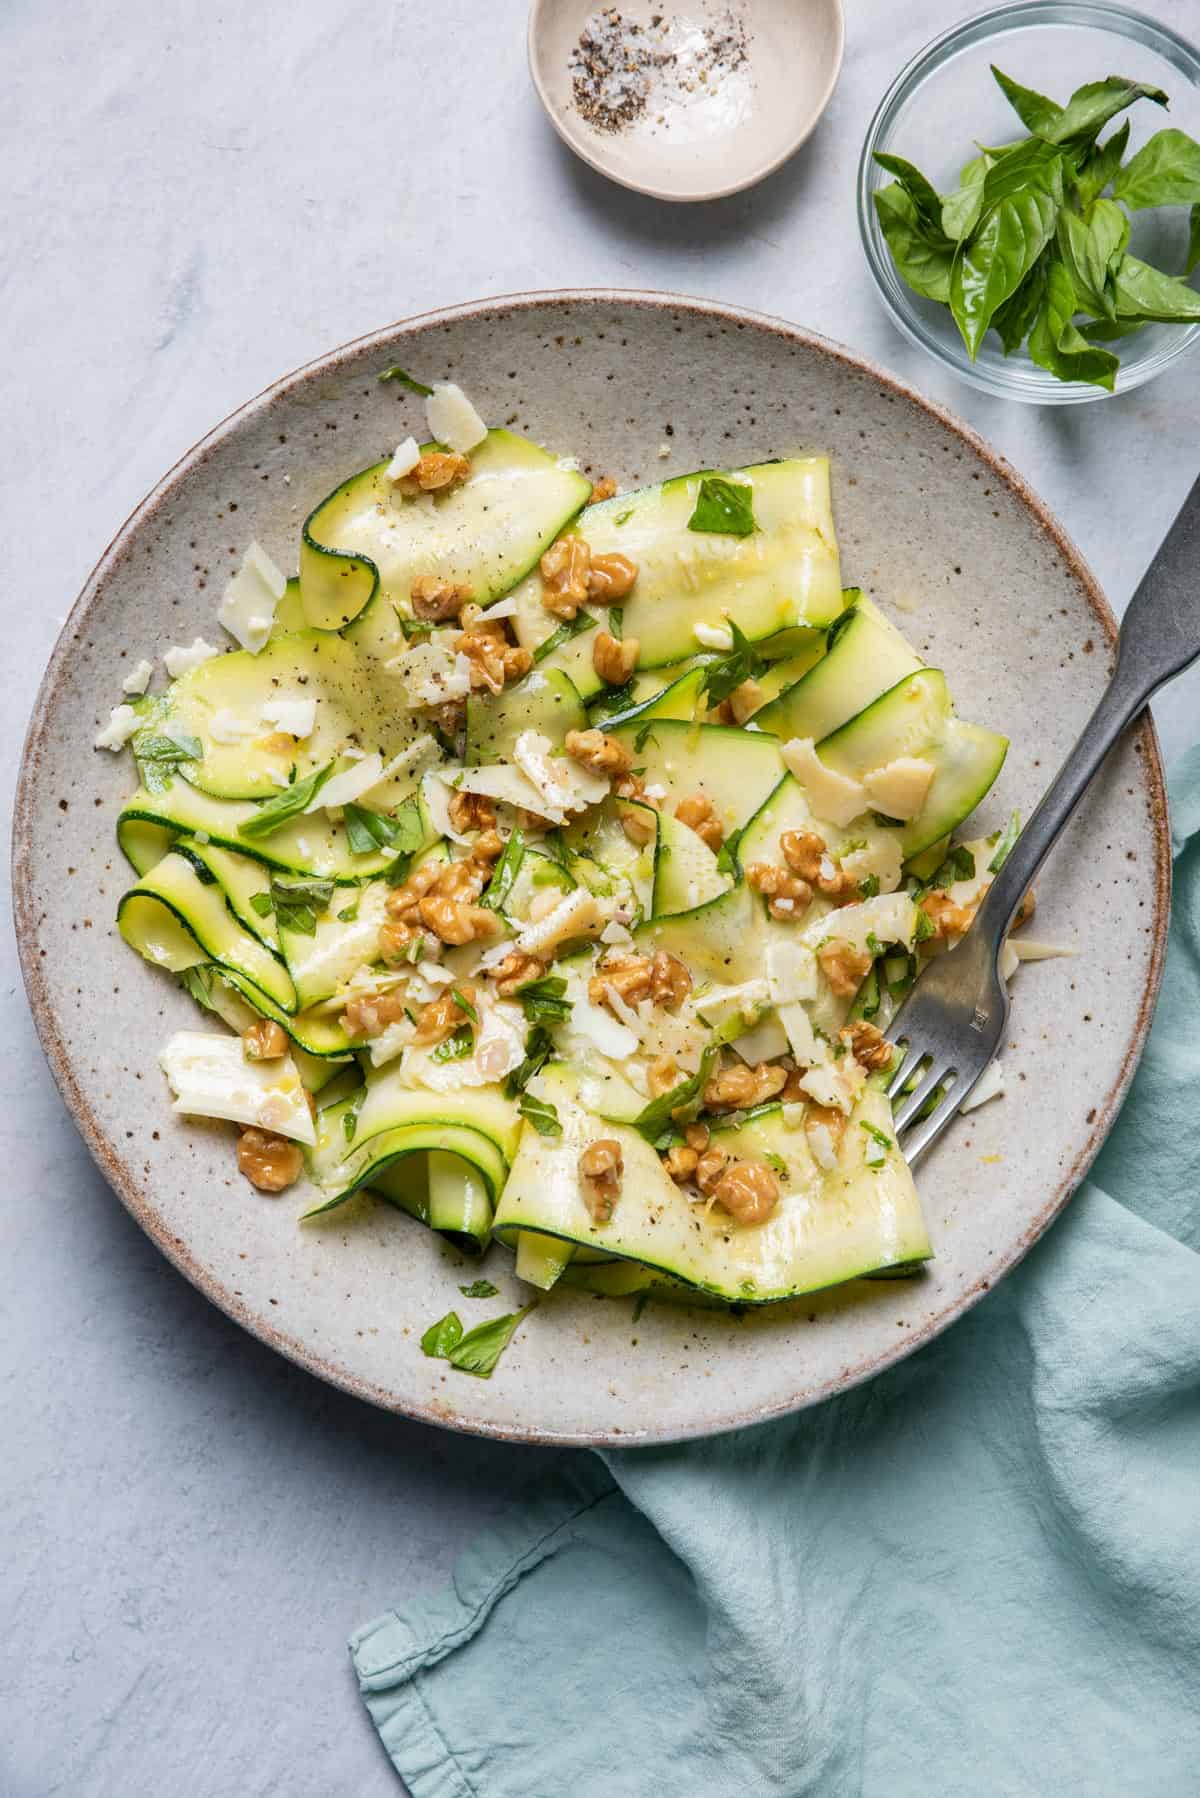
(350, 915)
(925, 926)
(298, 901)
(262, 903)
(645, 734)
(456, 1047)
(613, 700)
(877, 1135)
(776, 1162)
(729, 671)
(958, 865)
(167, 747)
(464, 1004)
(396, 373)
(623, 517)
(724, 507)
(727, 856)
(1004, 843)
(616, 620)
(868, 886)
(443, 1336)
(540, 1114)
(481, 1348)
(572, 627)
(505, 872)
(539, 1047)
(273, 814)
(687, 1097)
(479, 1289)
(542, 1000)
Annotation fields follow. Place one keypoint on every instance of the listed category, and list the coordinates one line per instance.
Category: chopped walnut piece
(745, 700)
(442, 1016)
(632, 786)
(629, 976)
(614, 658)
(368, 1015)
(662, 1075)
(269, 1162)
(278, 743)
(950, 921)
(564, 570)
(843, 965)
(436, 472)
(457, 921)
(639, 827)
(670, 982)
(493, 659)
(792, 1092)
(738, 1087)
(472, 811)
(868, 1045)
(601, 1166)
(787, 895)
(396, 936)
(802, 851)
(435, 600)
(748, 1191)
(825, 1126)
(696, 1136)
(515, 971)
(264, 1041)
(601, 753)
(604, 488)
(696, 811)
(709, 1168)
(680, 1163)
(610, 578)
(450, 717)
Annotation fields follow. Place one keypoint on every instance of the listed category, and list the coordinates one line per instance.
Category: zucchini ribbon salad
(554, 855)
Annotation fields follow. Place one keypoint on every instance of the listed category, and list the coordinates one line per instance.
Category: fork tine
(923, 1135)
(911, 1103)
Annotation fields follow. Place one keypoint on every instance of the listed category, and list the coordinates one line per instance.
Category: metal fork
(954, 1020)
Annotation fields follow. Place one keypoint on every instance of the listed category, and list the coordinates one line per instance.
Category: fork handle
(1160, 636)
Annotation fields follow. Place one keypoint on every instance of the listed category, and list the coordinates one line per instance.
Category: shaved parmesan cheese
(122, 722)
(391, 1042)
(452, 418)
(899, 789)
(298, 717)
(181, 660)
(564, 785)
(247, 608)
(405, 459)
(432, 673)
(436, 792)
(820, 1141)
(348, 784)
(227, 727)
(990, 1085)
(889, 918)
(210, 1077)
(497, 781)
(1025, 949)
(138, 678)
(576, 915)
(504, 608)
(500, 1041)
(744, 1001)
(832, 796)
(1010, 961)
(713, 636)
(881, 857)
(802, 1039)
(615, 934)
(836, 1084)
(601, 1031)
(623, 1010)
(763, 1043)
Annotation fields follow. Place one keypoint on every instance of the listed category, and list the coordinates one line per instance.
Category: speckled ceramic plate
(935, 525)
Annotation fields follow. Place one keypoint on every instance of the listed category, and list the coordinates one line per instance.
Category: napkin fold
(979, 1573)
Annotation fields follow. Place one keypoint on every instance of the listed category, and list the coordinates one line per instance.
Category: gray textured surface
(192, 1526)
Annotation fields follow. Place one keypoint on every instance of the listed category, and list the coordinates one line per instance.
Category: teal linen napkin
(978, 1574)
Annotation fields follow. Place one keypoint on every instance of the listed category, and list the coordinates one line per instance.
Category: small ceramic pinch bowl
(685, 103)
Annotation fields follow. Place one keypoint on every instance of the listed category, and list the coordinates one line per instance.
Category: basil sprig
(1029, 246)
(740, 664)
(298, 901)
(478, 1351)
(724, 507)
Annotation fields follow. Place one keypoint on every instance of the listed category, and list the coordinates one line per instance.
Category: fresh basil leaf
(479, 1289)
(1143, 292)
(723, 507)
(961, 209)
(721, 677)
(1092, 252)
(659, 1114)
(542, 1000)
(614, 700)
(444, 1335)
(727, 855)
(1091, 107)
(539, 1047)
(958, 865)
(1022, 198)
(922, 265)
(925, 926)
(1099, 168)
(262, 903)
(571, 627)
(1004, 843)
(1035, 111)
(272, 814)
(868, 886)
(395, 373)
(1057, 345)
(298, 902)
(457, 1047)
(1014, 320)
(166, 748)
(481, 1348)
(360, 837)
(350, 914)
(505, 872)
(921, 192)
(540, 1114)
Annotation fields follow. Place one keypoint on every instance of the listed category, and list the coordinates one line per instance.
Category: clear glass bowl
(946, 101)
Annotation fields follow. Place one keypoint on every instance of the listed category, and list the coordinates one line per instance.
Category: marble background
(198, 199)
